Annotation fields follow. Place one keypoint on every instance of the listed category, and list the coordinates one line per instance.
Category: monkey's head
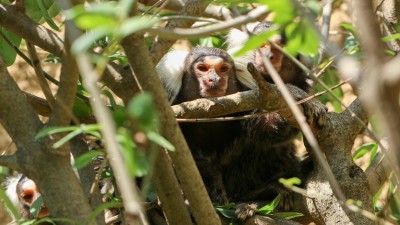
(27, 193)
(212, 69)
(267, 50)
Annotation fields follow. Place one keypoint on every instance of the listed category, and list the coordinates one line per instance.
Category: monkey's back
(262, 154)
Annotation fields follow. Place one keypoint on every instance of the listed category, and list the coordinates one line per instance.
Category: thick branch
(65, 97)
(120, 81)
(188, 175)
(15, 21)
(379, 94)
(167, 185)
(9, 161)
(336, 139)
(16, 114)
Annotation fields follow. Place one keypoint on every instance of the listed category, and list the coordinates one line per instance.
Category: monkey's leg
(212, 178)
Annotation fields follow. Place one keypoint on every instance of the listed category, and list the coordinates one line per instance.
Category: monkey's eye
(27, 196)
(202, 68)
(224, 68)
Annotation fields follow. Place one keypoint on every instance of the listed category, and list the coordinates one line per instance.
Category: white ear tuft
(11, 189)
(236, 40)
(170, 70)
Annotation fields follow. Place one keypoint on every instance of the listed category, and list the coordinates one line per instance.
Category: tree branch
(16, 114)
(30, 30)
(10, 161)
(379, 95)
(191, 33)
(39, 74)
(212, 11)
(133, 210)
(120, 80)
(191, 8)
(65, 97)
(336, 138)
(185, 167)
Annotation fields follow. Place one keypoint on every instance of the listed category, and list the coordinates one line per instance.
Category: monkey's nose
(213, 81)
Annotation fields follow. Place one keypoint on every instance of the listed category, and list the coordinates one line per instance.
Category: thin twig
(153, 6)
(326, 20)
(180, 33)
(125, 183)
(25, 58)
(161, 7)
(308, 134)
(39, 74)
(323, 70)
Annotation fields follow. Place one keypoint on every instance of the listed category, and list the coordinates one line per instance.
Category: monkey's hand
(244, 211)
(314, 111)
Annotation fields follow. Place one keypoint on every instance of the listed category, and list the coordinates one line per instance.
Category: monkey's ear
(236, 39)
(170, 69)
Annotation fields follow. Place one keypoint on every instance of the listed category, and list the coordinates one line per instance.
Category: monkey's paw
(315, 113)
(287, 200)
(244, 211)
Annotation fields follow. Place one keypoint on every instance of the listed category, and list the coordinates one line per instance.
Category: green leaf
(348, 27)
(88, 21)
(352, 45)
(86, 158)
(36, 206)
(141, 108)
(53, 130)
(363, 149)
(310, 39)
(314, 7)
(135, 24)
(38, 11)
(227, 213)
(377, 196)
(81, 109)
(136, 161)
(7, 202)
(302, 38)
(67, 138)
(267, 209)
(76, 130)
(294, 37)
(284, 9)
(6, 51)
(99, 209)
(287, 215)
(256, 41)
(48, 220)
(110, 97)
(105, 9)
(85, 41)
(391, 37)
(290, 182)
(160, 140)
(46, 15)
(373, 154)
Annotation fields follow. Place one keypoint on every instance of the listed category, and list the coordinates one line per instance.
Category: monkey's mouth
(213, 92)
